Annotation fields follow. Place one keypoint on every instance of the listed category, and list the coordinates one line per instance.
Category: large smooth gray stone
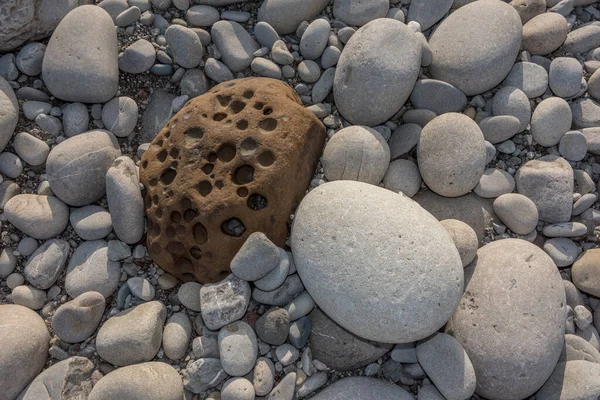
(41, 217)
(71, 71)
(360, 387)
(400, 292)
(67, 379)
(9, 112)
(77, 167)
(28, 20)
(23, 348)
(75, 321)
(235, 44)
(476, 46)
(90, 269)
(285, 15)
(511, 362)
(361, 87)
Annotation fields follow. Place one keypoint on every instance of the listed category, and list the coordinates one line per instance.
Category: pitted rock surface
(234, 161)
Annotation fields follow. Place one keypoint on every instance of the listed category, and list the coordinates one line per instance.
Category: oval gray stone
(90, 269)
(77, 320)
(512, 101)
(475, 47)
(77, 167)
(454, 172)
(70, 70)
(286, 15)
(46, 263)
(357, 13)
(314, 39)
(499, 128)
(361, 86)
(91, 222)
(238, 348)
(235, 44)
(586, 113)
(550, 121)
(505, 276)
(138, 57)
(437, 96)
(41, 217)
(544, 33)
(185, 46)
(529, 77)
(379, 315)
(565, 76)
(517, 212)
(120, 116)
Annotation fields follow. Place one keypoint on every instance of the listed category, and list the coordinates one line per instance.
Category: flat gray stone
(565, 76)
(577, 348)
(30, 149)
(335, 285)
(314, 40)
(586, 113)
(403, 176)
(437, 96)
(203, 374)
(133, 335)
(76, 168)
(582, 40)
(46, 263)
(493, 183)
(464, 238)
(476, 46)
(76, 119)
(504, 278)
(499, 128)
(176, 336)
(30, 58)
(217, 71)
(238, 348)
(517, 212)
(286, 15)
(235, 44)
(291, 287)
(158, 113)
(361, 87)
(285, 388)
(138, 57)
(256, 258)
(91, 222)
(404, 139)
(544, 33)
(529, 77)
(70, 71)
(41, 217)
(363, 387)
(90, 269)
(120, 116)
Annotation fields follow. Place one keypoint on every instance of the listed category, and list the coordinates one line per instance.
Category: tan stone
(586, 272)
(234, 161)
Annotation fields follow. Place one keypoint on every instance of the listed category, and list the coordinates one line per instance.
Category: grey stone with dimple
(356, 153)
(314, 39)
(132, 336)
(70, 71)
(335, 285)
(138, 57)
(235, 44)
(447, 365)
(30, 58)
(506, 275)
(41, 217)
(565, 76)
(428, 12)
(437, 96)
(476, 46)
(238, 348)
(185, 46)
(445, 169)
(529, 77)
(360, 387)
(69, 379)
(358, 13)
(46, 263)
(90, 269)
(340, 349)
(9, 113)
(550, 121)
(120, 116)
(361, 86)
(286, 15)
(77, 167)
(512, 101)
(548, 182)
(77, 320)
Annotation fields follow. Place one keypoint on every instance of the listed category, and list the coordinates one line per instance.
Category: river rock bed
(285, 199)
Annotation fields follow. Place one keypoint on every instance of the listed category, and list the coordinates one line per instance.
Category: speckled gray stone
(77, 320)
(185, 46)
(512, 101)
(238, 348)
(314, 39)
(9, 112)
(46, 263)
(76, 119)
(565, 76)
(428, 12)
(356, 13)
(360, 387)
(517, 212)
(531, 78)
(90, 269)
(551, 119)
(91, 222)
(437, 96)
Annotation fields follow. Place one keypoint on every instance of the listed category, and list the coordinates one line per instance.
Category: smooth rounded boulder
(451, 154)
(71, 71)
(476, 46)
(146, 381)
(399, 292)
(361, 88)
(23, 348)
(360, 387)
(77, 167)
(513, 342)
(9, 112)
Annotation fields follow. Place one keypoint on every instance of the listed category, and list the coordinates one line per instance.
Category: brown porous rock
(233, 161)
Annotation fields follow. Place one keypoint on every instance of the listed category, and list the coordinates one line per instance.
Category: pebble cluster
(446, 246)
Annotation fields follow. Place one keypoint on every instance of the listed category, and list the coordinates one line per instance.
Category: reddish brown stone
(233, 161)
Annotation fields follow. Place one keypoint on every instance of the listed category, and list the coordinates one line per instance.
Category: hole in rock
(248, 94)
(200, 234)
(158, 212)
(224, 274)
(212, 157)
(173, 164)
(224, 100)
(219, 117)
(153, 182)
(233, 227)
(259, 105)
(173, 124)
(187, 277)
(268, 111)
(168, 176)
(162, 156)
(167, 135)
(269, 124)
(204, 188)
(189, 215)
(156, 248)
(145, 164)
(242, 192)
(170, 231)
(236, 106)
(242, 125)
(159, 143)
(180, 230)
(194, 133)
(175, 217)
(243, 175)
(248, 146)
(219, 184)
(174, 153)
(257, 202)
(229, 85)
(266, 158)
(226, 153)
(208, 168)
(185, 203)
(196, 253)
(155, 199)
(204, 115)
(156, 229)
